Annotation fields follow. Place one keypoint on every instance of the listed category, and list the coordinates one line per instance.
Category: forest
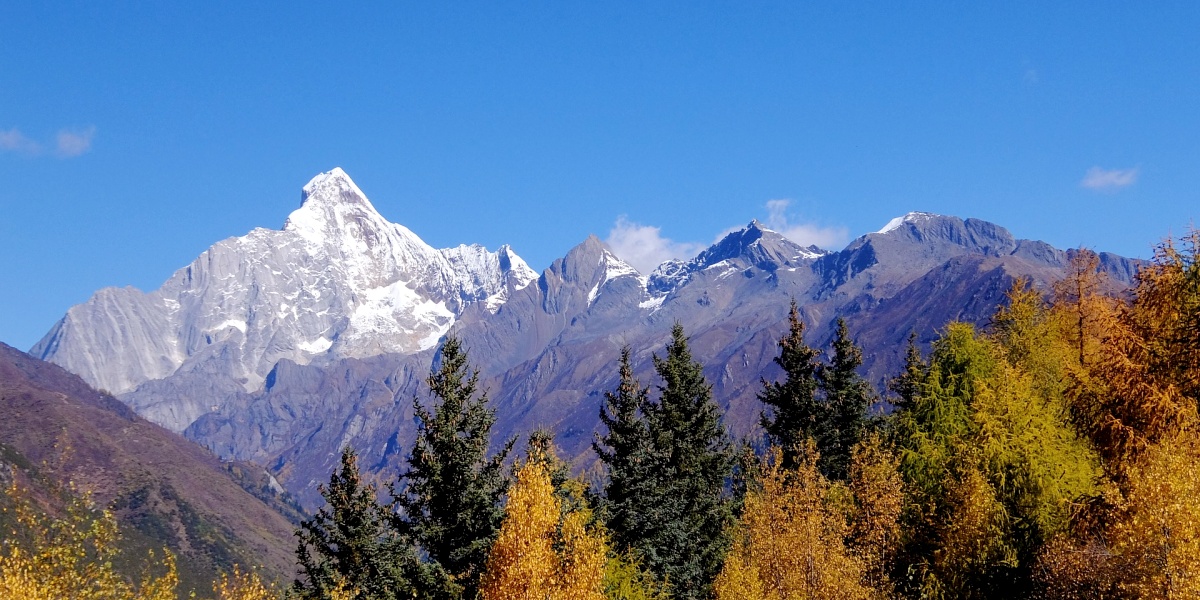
(1053, 454)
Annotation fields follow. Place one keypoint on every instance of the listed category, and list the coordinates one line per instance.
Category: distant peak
(912, 217)
(329, 201)
(329, 185)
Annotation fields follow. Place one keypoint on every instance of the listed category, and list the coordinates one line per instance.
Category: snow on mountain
(912, 217)
(753, 243)
(338, 281)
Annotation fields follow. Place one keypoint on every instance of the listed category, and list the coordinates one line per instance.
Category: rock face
(279, 347)
(338, 281)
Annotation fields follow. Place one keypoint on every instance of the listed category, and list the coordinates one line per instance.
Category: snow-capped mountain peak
(338, 280)
(912, 217)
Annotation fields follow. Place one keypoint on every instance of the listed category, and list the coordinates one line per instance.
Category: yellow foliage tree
(73, 557)
(790, 542)
(878, 491)
(1136, 397)
(243, 585)
(543, 552)
(1147, 544)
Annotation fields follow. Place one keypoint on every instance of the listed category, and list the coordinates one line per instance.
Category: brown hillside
(165, 490)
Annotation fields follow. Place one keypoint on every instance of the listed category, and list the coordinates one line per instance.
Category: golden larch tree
(544, 552)
(790, 542)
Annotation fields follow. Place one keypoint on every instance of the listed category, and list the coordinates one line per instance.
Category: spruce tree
(348, 544)
(686, 543)
(794, 409)
(907, 385)
(625, 449)
(452, 500)
(847, 398)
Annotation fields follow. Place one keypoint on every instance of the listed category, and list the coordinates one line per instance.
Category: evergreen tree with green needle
(625, 449)
(847, 398)
(452, 500)
(907, 385)
(794, 411)
(349, 545)
(686, 541)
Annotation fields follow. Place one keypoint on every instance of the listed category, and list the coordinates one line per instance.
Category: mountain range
(281, 346)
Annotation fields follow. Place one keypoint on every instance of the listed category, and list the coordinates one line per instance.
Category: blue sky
(134, 135)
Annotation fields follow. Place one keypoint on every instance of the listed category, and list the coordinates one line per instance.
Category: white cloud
(15, 141)
(1109, 180)
(644, 247)
(805, 234)
(73, 143)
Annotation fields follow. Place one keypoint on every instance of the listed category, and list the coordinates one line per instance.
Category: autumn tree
(348, 544)
(794, 414)
(789, 542)
(244, 585)
(992, 464)
(878, 493)
(73, 556)
(544, 549)
(451, 503)
(1136, 398)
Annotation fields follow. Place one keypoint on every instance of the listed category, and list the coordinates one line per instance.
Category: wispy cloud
(74, 143)
(805, 234)
(68, 143)
(1109, 180)
(12, 140)
(644, 246)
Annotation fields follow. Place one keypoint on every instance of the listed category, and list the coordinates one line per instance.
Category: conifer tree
(348, 544)
(907, 385)
(451, 503)
(847, 397)
(625, 449)
(794, 411)
(547, 548)
(686, 541)
(791, 539)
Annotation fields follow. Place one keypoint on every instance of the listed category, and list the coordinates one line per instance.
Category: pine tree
(625, 449)
(847, 397)
(907, 385)
(452, 500)
(795, 412)
(686, 542)
(348, 544)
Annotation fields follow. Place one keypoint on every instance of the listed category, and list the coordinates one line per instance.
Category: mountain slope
(165, 490)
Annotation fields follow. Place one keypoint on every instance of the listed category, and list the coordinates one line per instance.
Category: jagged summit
(331, 202)
(338, 281)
